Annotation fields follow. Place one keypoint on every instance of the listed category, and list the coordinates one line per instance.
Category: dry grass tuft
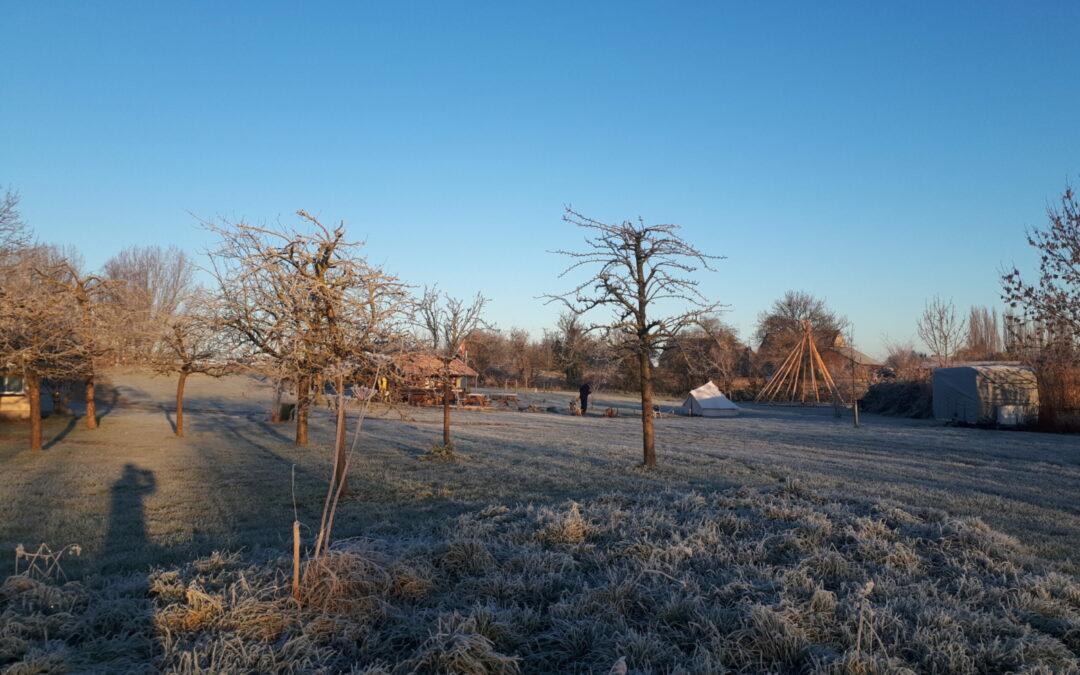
(455, 646)
(744, 580)
(348, 583)
(569, 528)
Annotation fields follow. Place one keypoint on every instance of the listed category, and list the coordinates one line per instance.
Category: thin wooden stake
(296, 560)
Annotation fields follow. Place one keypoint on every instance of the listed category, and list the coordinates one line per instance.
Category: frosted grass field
(783, 539)
(131, 494)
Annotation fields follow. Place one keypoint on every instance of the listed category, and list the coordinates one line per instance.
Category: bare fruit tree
(447, 321)
(192, 343)
(94, 321)
(37, 334)
(638, 270)
(942, 329)
(303, 302)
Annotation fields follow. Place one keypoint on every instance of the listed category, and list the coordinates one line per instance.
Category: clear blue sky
(873, 156)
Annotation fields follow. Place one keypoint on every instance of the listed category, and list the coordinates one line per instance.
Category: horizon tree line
(301, 305)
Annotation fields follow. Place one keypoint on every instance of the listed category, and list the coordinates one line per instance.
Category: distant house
(840, 357)
(14, 403)
(983, 393)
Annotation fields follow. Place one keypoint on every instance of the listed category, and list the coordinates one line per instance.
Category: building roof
(418, 364)
(850, 353)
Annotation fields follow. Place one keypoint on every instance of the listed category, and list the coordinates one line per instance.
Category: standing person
(583, 394)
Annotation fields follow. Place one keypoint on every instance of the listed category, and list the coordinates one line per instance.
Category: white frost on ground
(133, 495)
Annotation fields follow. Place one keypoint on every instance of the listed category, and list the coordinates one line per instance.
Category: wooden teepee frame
(801, 375)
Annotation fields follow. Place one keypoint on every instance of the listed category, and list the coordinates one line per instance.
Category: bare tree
(155, 281)
(1043, 321)
(941, 329)
(192, 343)
(95, 321)
(905, 362)
(526, 356)
(637, 269)
(486, 352)
(781, 327)
(37, 335)
(447, 321)
(1054, 300)
(709, 350)
(571, 348)
(305, 302)
(984, 337)
(304, 299)
(14, 235)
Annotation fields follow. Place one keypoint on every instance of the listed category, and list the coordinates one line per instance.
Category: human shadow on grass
(127, 539)
(126, 533)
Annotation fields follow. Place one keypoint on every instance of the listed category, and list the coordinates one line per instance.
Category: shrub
(906, 398)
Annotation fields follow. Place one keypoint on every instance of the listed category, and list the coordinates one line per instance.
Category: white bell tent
(708, 401)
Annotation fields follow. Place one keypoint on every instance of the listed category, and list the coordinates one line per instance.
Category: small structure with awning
(422, 374)
(708, 401)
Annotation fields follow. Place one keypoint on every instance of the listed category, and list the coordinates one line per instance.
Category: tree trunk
(91, 408)
(33, 391)
(647, 437)
(446, 411)
(180, 405)
(275, 410)
(339, 438)
(303, 403)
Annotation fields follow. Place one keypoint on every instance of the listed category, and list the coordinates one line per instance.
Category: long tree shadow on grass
(63, 433)
(168, 413)
(108, 401)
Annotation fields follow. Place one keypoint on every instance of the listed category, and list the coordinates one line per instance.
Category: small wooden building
(14, 403)
(422, 375)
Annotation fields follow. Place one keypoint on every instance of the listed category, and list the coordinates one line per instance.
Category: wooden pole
(825, 373)
(296, 560)
(800, 373)
(854, 396)
(339, 436)
(782, 376)
(796, 369)
(777, 380)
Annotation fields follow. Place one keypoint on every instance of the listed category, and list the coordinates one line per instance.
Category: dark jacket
(584, 390)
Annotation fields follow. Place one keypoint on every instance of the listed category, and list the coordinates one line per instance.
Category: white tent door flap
(708, 401)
